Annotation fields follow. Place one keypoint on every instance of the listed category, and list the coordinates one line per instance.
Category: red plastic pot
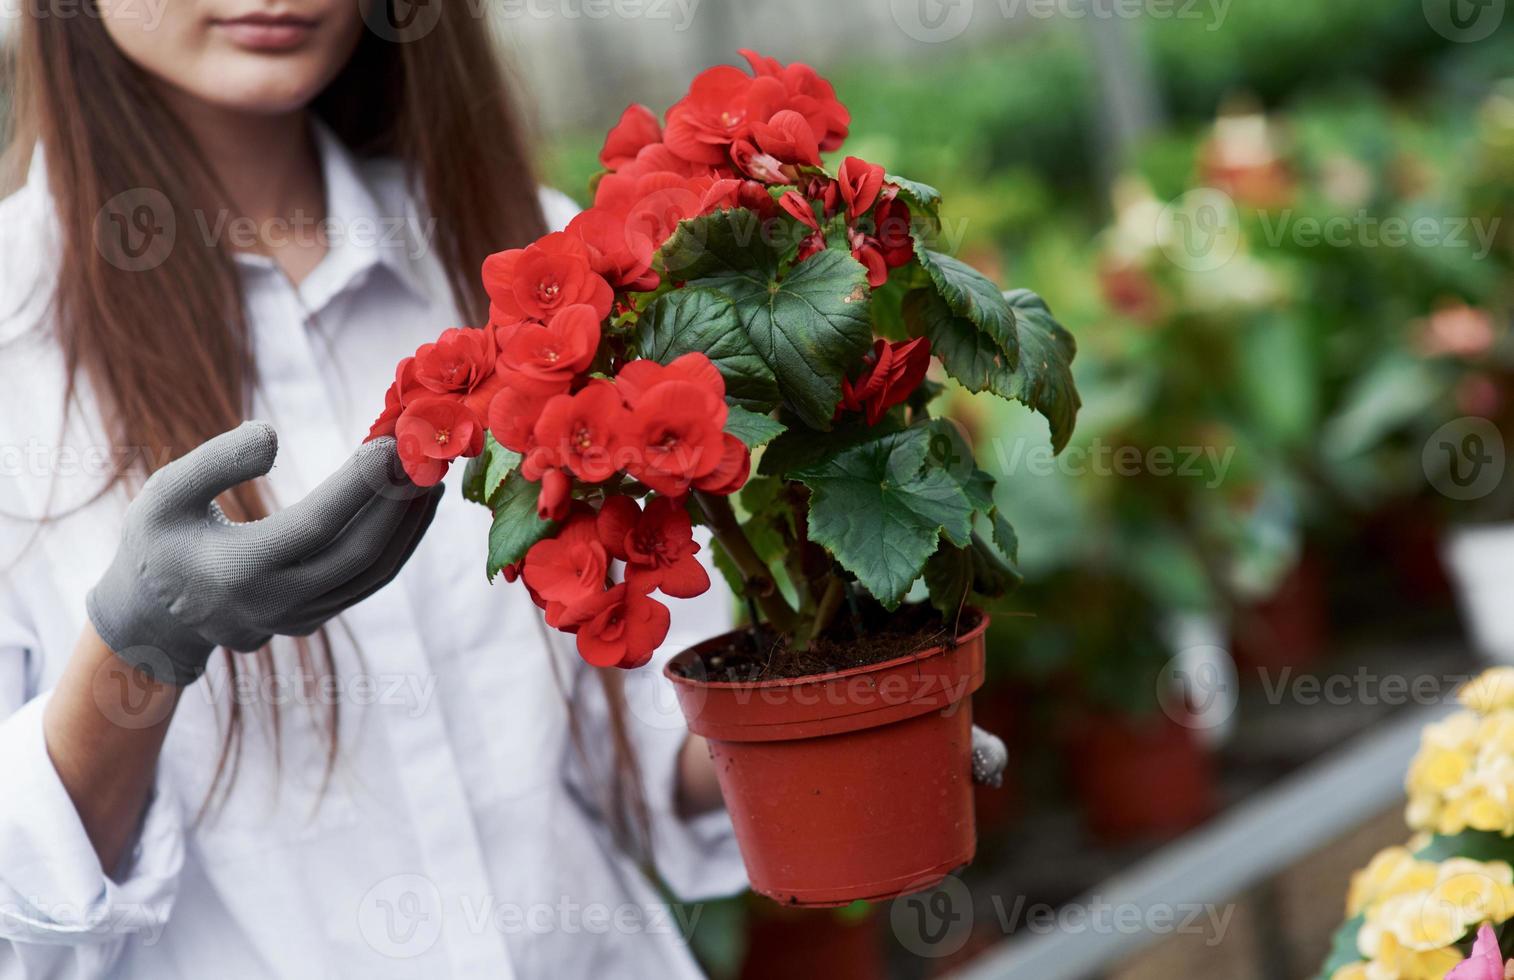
(850, 785)
(1140, 778)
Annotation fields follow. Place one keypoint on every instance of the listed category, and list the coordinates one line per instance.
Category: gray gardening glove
(989, 758)
(186, 579)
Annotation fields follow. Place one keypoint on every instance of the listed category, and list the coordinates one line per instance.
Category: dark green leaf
(704, 321)
(880, 510)
(810, 325)
(516, 527)
(1043, 380)
(992, 575)
(488, 470)
(1004, 536)
(752, 429)
(949, 577)
(973, 296)
(801, 446)
(1477, 845)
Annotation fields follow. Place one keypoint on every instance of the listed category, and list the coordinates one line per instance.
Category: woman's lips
(262, 32)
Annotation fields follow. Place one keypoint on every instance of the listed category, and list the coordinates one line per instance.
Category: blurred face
(263, 57)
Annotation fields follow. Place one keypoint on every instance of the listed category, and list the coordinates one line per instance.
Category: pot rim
(972, 633)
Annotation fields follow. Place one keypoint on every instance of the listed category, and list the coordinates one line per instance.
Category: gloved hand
(989, 758)
(186, 579)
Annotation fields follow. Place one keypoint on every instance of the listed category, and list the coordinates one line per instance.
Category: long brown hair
(437, 101)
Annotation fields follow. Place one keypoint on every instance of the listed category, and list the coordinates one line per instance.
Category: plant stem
(754, 571)
(830, 604)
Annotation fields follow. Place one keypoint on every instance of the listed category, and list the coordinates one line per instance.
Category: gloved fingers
(372, 474)
(406, 539)
(365, 538)
(194, 480)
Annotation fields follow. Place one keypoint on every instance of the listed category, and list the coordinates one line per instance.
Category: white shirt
(459, 836)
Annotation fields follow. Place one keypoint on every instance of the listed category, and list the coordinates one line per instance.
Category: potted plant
(737, 336)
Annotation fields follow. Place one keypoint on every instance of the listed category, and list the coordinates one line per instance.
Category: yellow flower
(1492, 690)
(1438, 769)
(1393, 871)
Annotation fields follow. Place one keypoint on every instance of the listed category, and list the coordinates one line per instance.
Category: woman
(237, 209)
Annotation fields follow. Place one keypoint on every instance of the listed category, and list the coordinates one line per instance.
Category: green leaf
(923, 199)
(1042, 381)
(974, 297)
(1477, 845)
(488, 470)
(704, 321)
(949, 450)
(516, 527)
(948, 578)
(751, 428)
(1005, 537)
(801, 446)
(810, 325)
(880, 510)
(1343, 950)
(993, 576)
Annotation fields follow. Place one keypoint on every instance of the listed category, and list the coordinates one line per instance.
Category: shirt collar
(365, 234)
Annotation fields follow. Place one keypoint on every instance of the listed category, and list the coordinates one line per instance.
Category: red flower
(673, 436)
(703, 124)
(459, 361)
(395, 399)
(638, 127)
(623, 260)
(621, 628)
(760, 165)
(513, 411)
(810, 95)
(568, 570)
(788, 136)
(895, 240)
(581, 432)
(656, 544)
(860, 183)
(551, 274)
(657, 158)
(553, 354)
(555, 496)
(433, 432)
(733, 192)
(894, 371)
(800, 209)
(867, 250)
(731, 475)
(638, 377)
